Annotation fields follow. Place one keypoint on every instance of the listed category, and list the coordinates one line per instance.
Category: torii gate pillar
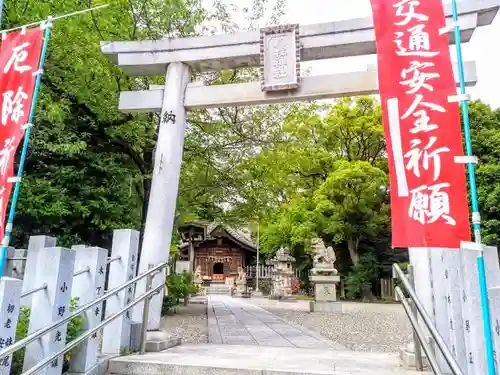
(164, 189)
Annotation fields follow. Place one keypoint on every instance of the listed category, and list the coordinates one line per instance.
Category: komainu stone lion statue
(242, 276)
(324, 258)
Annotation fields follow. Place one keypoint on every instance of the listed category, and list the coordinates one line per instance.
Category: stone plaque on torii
(277, 51)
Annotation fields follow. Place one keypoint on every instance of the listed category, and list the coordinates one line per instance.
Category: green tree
(89, 166)
(351, 205)
(485, 130)
(326, 177)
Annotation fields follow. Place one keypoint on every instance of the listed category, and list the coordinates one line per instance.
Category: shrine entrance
(277, 52)
(218, 269)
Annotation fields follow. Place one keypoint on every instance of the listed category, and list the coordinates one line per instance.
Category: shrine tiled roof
(242, 236)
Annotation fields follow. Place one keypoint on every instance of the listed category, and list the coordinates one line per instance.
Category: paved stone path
(234, 322)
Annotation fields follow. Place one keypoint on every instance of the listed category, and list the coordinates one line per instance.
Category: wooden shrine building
(218, 249)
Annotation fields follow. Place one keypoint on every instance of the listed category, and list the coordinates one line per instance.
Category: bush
(295, 285)
(265, 286)
(180, 286)
(169, 305)
(75, 329)
(363, 274)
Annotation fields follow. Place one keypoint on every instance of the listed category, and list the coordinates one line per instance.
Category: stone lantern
(325, 276)
(282, 274)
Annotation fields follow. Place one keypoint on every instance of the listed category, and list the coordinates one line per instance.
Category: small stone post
(116, 337)
(9, 265)
(55, 268)
(87, 287)
(36, 245)
(10, 302)
(19, 265)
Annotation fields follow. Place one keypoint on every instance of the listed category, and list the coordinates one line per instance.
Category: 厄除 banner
(19, 61)
(422, 129)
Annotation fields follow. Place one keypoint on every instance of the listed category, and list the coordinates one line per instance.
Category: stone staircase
(210, 359)
(218, 289)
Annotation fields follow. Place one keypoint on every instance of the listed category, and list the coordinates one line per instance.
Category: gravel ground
(190, 324)
(377, 328)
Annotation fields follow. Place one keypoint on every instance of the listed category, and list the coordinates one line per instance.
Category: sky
(481, 48)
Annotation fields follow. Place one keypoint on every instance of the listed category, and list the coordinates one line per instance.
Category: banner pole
(15, 196)
(476, 218)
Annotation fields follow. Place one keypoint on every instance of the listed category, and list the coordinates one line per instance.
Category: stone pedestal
(408, 358)
(325, 294)
(325, 288)
(257, 293)
(240, 289)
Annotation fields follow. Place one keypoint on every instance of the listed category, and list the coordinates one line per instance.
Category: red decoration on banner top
(422, 129)
(19, 62)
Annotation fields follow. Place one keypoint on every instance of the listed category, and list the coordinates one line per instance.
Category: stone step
(211, 359)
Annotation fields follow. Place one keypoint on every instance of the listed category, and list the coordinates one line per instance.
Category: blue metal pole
(476, 218)
(15, 196)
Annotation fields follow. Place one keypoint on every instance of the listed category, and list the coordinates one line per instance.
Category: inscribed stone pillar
(453, 287)
(35, 246)
(471, 311)
(420, 260)
(424, 263)
(55, 268)
(441, 321)
(164, 187)
(493, 280)
(10, 301)
(116, 336)
(87, 287)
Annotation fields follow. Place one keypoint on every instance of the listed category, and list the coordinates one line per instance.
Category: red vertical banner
(19, 62)
(422, 128)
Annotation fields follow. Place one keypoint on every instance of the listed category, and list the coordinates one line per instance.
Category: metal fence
(50, 280)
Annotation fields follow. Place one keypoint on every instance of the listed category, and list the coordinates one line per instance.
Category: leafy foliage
(362, 276)
(179, 286)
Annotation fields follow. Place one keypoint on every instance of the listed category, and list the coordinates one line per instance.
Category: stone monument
(325, 276)
(241, 282)
(282, 274)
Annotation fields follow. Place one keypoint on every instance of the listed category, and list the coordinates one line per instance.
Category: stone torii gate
(278, 52)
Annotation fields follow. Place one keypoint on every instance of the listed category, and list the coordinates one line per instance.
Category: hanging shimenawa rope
(47, 26)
